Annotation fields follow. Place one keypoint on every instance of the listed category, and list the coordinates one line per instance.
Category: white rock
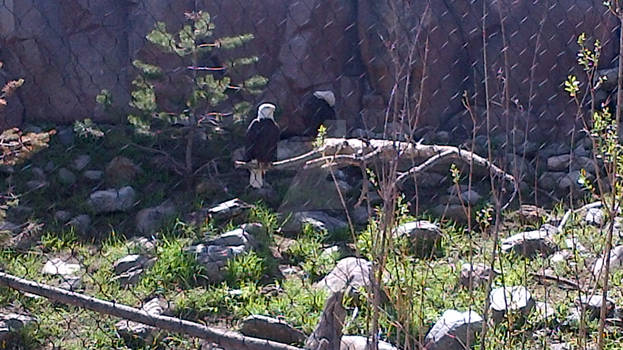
(451, 331)
(58, 266)
(510, 299)
(351, 271)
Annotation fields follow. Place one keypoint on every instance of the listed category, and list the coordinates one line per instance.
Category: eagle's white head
(265, 111)
(326, 95)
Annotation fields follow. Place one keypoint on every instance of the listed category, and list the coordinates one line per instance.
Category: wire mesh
(484, 76)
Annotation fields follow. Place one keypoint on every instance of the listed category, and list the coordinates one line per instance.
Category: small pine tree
(210, 85)
(15, 146)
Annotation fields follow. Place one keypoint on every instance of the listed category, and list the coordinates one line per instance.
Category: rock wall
(69, 50)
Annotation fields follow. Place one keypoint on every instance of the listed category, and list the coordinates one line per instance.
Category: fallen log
(226, 339)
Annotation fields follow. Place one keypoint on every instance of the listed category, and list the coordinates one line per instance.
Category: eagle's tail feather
(256, 180)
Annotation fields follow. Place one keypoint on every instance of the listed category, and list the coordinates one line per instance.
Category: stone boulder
(265, 327)
(504, 300)
(319, 220)
(216, 252)
(349, 272)
(112, 200)
(149, 220)
(11, 323)
(531, 243)
(452, 330)
(424, 236)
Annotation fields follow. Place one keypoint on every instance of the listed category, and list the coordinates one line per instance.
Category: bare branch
(355, 152)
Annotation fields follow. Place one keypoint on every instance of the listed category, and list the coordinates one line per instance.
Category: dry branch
(226, 339)
(356, 152)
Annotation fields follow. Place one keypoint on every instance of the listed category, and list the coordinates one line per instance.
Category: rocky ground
(105, 217)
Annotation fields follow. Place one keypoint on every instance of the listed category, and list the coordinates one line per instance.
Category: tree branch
(355, 152)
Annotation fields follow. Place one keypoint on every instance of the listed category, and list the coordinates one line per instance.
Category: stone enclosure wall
(67, 51)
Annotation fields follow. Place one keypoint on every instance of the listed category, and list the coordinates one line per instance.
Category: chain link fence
(104, 212)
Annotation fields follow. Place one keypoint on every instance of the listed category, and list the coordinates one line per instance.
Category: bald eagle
(261, 143)
(316, 109)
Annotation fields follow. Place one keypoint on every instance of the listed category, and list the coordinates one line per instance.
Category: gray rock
(474, 275)
(424, 236)
(455, 212)
(49, 166)
(360, 215)
(238, 237)
(58, 266)
(38, 173)
(510, 299)
(130, 277)
(353, 272)
(595, 216)
(571, 181)
(129, 262)
(531, 243)
(471, 197)
(66, 177)
(149, 220)
(319, 220)
(121, 170)
(593, 303)
(81, 162)
(71, 283)
(66, 136)
(616, 261)
(133, 330)
(558, 163)
(526, 148)
(80, 223)
(549, 180)
(357, 342)
(130, 268)
(142, 245)
(265, 327)
(583, 163)
(112, 200)
(545, 312)
(10, 323)
(93, 175)
(9, 227)
(452, 330)
(454, 190)
(62, 216)
(227, 210)
(19, 213)
(215, 253)
(430, 180)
